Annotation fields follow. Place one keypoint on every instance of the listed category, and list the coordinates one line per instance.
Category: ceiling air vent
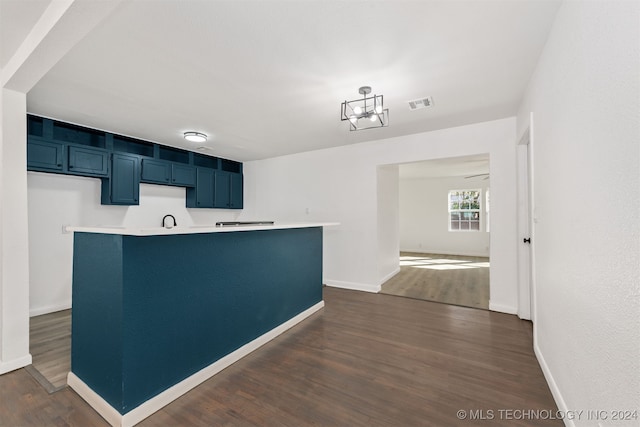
(425, 102)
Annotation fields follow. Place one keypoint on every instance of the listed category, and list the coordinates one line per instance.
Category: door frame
(526, 224)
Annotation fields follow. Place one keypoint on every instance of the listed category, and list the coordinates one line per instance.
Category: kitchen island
(157, 311)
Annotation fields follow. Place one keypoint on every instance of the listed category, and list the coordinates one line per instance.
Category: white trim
(14, 364)
(553, 386)
(49, 309)
(131, 418)
(389, 276)
(509, 309)
(353, 286)
(534, 220)
(94, 400)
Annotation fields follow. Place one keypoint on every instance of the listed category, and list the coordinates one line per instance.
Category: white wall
(57, 200)
(341, 184)
(388, 219)
(424, 218)
(14, 261)
(585, 99)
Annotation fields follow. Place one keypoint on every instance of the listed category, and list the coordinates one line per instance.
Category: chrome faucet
(164, 222)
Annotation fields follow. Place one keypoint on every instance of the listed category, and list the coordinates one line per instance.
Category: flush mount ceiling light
(195, 136)
(365, 113)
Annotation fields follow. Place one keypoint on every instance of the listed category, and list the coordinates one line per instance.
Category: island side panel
(96, 315)
(191, 299)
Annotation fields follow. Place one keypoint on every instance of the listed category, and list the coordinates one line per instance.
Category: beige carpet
(450, 279)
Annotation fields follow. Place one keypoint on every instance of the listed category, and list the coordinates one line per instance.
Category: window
(464, 210)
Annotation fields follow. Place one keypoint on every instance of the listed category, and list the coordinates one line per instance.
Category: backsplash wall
(57, 200)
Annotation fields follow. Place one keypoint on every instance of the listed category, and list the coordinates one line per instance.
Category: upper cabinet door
(125, 179)
(156, 171)
(88, 161)
(237, 191)
(183, 175)
(202, 195)
(44, 156)
(222, 190)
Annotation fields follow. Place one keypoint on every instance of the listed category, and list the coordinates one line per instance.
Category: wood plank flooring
(450, 279)
(364, 360)
(50, 347)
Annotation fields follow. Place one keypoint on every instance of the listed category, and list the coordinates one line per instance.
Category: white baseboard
(14, 364)
(133, 417)
(49, 309)
(553, 386)
(502, 308)
(353, 286)
(94, 400)
(389, 276)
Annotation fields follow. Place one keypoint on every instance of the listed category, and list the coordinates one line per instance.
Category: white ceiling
(16, 19)
(266, 78)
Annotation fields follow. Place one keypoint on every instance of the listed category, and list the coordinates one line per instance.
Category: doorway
(444, 231)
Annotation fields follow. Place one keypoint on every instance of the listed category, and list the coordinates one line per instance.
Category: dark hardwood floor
(364, 360)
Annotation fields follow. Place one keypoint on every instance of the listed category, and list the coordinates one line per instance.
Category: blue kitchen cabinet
(123, 188)
(156, 171)
(222, 195)
(44, 156)
(183, 175)
(123, 162)
(163, 172)
(228, 190)
(237, 191)
(202, 195)
(88, 161)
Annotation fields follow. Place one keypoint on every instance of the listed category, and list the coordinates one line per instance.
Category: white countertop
(194, 229)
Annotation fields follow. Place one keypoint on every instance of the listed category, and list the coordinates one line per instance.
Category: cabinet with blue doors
(45, 156)
(88, 161)
(202, 196)
(228, 190)
(155, 171)
(123, 188)
(168, 173)
(122, 163)
(236, 191)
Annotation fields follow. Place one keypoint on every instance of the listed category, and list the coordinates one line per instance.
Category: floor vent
(425, 102)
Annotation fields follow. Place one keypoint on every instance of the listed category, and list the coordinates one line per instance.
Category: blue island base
(154, 316)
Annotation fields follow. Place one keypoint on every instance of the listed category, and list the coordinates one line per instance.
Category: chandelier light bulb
(357, 109)
(379, 109)
(373, 117)
(353, 119)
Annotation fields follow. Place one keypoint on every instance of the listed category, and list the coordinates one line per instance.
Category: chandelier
(365, 113)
